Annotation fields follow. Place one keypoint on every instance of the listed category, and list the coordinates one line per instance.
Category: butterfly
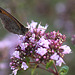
(11, 23)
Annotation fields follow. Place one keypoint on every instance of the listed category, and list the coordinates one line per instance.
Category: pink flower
(15, 71)
(59, 62)
(37, 59)
(12, 67)
(32, 38)
(23, 45)
(54, 56)
(16, 54)
(41, 51)
(32, 26)
(66, 49)
(21, 38)
(42, 28)
(43, 42)
(24, 66)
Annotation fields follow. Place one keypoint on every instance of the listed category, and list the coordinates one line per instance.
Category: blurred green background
(58, 14)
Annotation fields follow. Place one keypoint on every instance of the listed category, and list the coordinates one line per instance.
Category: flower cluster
(73, 39)
(40, 47)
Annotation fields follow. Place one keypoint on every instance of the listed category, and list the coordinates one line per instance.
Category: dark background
(58, 14)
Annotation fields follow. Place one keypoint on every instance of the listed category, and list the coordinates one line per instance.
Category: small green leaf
(64, 70)
(49, 64)
(33, 70)
(27, 59)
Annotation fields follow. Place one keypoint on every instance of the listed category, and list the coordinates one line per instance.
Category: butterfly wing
(11, 23)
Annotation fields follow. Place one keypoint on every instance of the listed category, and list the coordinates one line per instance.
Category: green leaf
(49, 64)
(64, 70)
(33, 70)
(27, 59)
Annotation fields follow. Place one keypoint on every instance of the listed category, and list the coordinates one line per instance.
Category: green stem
(55, 69)
(49, 70)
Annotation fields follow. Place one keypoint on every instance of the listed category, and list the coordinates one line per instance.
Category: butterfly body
(11, 23)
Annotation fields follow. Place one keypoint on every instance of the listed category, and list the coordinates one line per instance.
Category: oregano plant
(37, 48)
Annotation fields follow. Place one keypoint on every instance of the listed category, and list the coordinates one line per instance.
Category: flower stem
(55, 69)
(49, 70)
